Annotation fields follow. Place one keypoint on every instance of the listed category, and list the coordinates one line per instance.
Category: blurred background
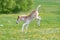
(7, 6)
(50, 23)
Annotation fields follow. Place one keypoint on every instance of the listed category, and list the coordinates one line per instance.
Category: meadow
(49, 29)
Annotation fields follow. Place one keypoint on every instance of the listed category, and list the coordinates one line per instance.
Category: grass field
(49, 29)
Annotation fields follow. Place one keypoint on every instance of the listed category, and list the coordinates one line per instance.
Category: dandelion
(1, 25)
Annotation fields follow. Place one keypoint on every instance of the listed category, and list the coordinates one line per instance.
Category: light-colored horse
(28, 18)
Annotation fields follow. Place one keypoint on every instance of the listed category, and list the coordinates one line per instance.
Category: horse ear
(18, 16)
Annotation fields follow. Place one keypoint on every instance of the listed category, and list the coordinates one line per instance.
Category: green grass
(49, 29)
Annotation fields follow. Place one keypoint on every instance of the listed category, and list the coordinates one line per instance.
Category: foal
(28, 18)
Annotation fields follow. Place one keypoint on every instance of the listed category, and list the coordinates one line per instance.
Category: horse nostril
(16, 22)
